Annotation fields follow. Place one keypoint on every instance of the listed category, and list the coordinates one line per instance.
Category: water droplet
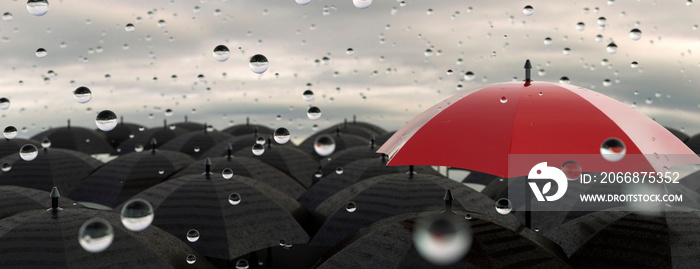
(161, 171)
(221, 53)
(258, 63)
(362, 3)
(95, 235)
(192, 235)
(161, 24)
(503, 206)
(242, 264)
(281, 135)
(634, 64)
(9, 132)
(566, 51)
(313, 113)
(227, 173)
(234, 198)
(528, 10)
(4, 103)
(572, 170)
(258, 149)
(82, 94)
(564, 80)
(6, 167)
(37, 7)
(137, 214)
(303, 2)
(468, 216)
(45, 143)
(503, 99)
(580, 26)
(191, 259)
(442, 240)
(635, 34)
(469, 76)
(138, 148)
(308, 95)
(351, 206)
(324, 145)
(601, 21)
(106, 120)
(129, 27)
(547, 41)
(607, 82)
(7, 16)
(41, 53)
(28, 152)
(611, 48)
(168, 112)
(613, 149)
(196, 149)
(339, 170)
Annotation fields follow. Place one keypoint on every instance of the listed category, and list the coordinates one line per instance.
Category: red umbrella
(527, 123)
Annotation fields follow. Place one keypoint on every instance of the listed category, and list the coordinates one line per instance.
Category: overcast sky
(492, 39)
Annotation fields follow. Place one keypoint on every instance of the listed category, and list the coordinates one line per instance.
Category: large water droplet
(564, 80)
(572, 170)
(324, 145)
(137, 214)
(442, 240)
(227, 173)
(351, 206)
(82, 94)
(28, 152)
(258, 63)
(503, 206)
(281, 135)
(9, 132)
(192, 235)
(221, 53)
(191, 259)
(362, 3)
(37, 7)
(234, 198)
(106, 120)
(611, 48)
(469, 76)
(613, 149)
(308, 95)
(313, 113)
(258, 149)
(528, 10)
(41, 53)
(95, 235)
(635, 34)
(4, 103)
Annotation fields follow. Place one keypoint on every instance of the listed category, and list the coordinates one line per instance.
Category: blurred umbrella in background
(290, 160)
(76, 138)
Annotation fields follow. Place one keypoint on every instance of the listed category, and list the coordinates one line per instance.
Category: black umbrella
(623, 238)
(129, 174)
(142, 140)
(389, 244)
(249, 167)
(342, 141)
(14, 199)
(383, 196)
(232, 216)
(694, 143)
(237, 143)
(352, 173)
(122, 132)
(190, 125)
(76, 138)
(348, 155)
(290, 160)
(361, 129)
(195, 143)
(248, 129)
(12, 146)
(61, 168)
(40, 239)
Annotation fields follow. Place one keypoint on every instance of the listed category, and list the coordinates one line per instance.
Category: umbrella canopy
(40, 239)
(76, 138)
(389, 244)
(237, 143)
(252, 168)
(622, 238)
(12, 146)
(16, 199)
(342, 141)
(195, 143)
(361, 129)
(694, 143)
(143, 139)
(127, 175)
(248, 128)
(352, 173)
(290, 160)
(61, 168)
(122, 132)
(388, 195)
(348, 155)
(232, 216)
(553, 123)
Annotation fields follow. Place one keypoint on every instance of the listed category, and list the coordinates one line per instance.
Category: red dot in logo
(539, 172)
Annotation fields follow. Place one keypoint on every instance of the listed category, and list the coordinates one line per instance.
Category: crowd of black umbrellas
(186, 195)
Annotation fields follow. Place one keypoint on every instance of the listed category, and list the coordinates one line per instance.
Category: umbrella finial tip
(528, 66)
(54, 193)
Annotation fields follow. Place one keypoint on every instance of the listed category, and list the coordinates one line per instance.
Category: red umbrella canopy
(506, 128)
